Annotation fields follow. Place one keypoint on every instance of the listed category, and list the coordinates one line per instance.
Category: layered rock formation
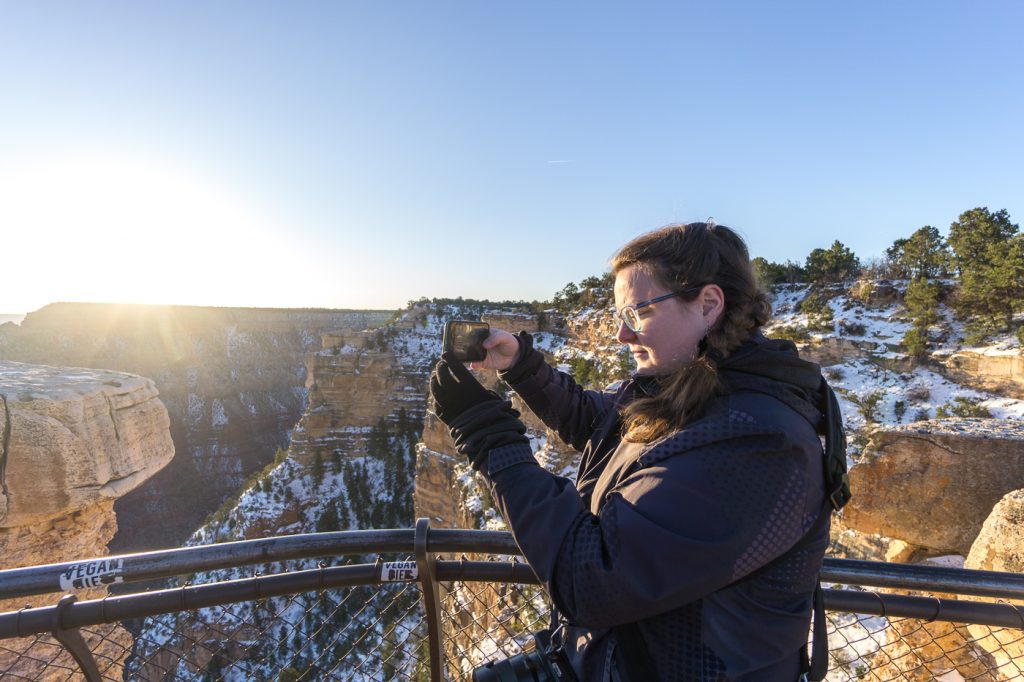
(232, 379)
(1001, 371)
(350, 387)
(437, 479)
(933, 484)
(72, 441)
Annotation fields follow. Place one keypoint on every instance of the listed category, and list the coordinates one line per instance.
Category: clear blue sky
(363, 154)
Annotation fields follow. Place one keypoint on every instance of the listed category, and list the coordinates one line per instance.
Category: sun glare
(105, 229)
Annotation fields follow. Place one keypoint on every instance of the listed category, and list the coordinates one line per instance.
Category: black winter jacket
(692, 536)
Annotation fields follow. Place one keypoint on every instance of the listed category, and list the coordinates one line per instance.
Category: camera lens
(530, 666)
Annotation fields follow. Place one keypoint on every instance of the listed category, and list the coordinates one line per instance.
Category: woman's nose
(625, 334)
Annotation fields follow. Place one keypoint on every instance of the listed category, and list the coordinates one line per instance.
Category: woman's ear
(712, 300)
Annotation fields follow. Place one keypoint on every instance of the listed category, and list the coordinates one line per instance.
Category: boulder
(1000, 544)
(875, 293)
(933, 484)
(1000, 547)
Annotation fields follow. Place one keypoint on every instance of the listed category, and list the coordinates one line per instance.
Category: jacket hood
(774, 367)
(762, 365)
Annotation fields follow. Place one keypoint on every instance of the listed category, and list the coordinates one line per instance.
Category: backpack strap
(837, 494)
(837, 479)
(815, 667)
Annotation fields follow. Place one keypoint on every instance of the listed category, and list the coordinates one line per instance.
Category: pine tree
(975, 232)
(328, 521)
(316, 470)
(924, 254)
(895, 259)
(769, 273)
(991, 290)
(922, 301)
(835, 264)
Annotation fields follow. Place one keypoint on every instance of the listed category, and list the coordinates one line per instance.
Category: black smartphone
(465, 339)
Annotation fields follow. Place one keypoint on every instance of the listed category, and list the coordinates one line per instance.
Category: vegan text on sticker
(92, 574)
(398, 571)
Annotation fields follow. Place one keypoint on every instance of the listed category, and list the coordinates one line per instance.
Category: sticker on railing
(92, 574)
(396, 571)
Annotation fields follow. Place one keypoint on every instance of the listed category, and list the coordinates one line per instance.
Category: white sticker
(92, 574)
(398, 571)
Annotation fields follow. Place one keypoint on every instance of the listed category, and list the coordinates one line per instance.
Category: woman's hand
(502, 349)
(478, 420)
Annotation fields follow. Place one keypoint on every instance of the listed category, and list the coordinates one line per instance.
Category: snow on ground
(880, 385)
(546, 341)
(920, 391)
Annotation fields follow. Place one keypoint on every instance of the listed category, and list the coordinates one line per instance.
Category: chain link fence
(366, 618)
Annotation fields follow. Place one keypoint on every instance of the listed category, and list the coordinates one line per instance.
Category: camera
(542, 663)
(465, 339)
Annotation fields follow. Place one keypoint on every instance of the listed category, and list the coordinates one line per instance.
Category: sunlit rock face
(71, 442)
(75, 437)
(1000, 544)
(350, 387)
(933, 484)
(1003, 371)
(232, 380)
(1000, 547)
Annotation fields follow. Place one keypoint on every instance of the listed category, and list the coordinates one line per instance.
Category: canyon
(345, 408)
(232, 381)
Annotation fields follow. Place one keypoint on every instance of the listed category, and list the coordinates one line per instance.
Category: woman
(684, 543)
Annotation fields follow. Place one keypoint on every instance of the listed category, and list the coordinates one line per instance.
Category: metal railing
(400, 607)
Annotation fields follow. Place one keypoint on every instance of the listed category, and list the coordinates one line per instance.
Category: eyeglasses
(631, 318)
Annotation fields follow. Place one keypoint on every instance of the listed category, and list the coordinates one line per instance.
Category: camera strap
(633, 657)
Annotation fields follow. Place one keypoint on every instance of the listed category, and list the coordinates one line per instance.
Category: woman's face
(670, 329)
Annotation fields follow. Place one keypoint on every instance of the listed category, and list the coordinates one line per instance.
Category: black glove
(455, 389)
(478, 420)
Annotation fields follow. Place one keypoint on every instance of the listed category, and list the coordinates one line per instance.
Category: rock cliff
(933, 484)
(72, 441)
(232, 379)
(74, 437)
(999, 370)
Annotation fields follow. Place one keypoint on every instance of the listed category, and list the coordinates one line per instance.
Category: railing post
(431, 598)
(73, 642)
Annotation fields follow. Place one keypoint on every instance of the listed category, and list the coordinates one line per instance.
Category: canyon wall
(350, 465)
(233, 381)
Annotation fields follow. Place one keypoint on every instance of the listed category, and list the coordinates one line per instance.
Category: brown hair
(678, 257)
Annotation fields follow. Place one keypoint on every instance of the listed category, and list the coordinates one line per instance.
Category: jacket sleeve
(704, 510)
(555, 397)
